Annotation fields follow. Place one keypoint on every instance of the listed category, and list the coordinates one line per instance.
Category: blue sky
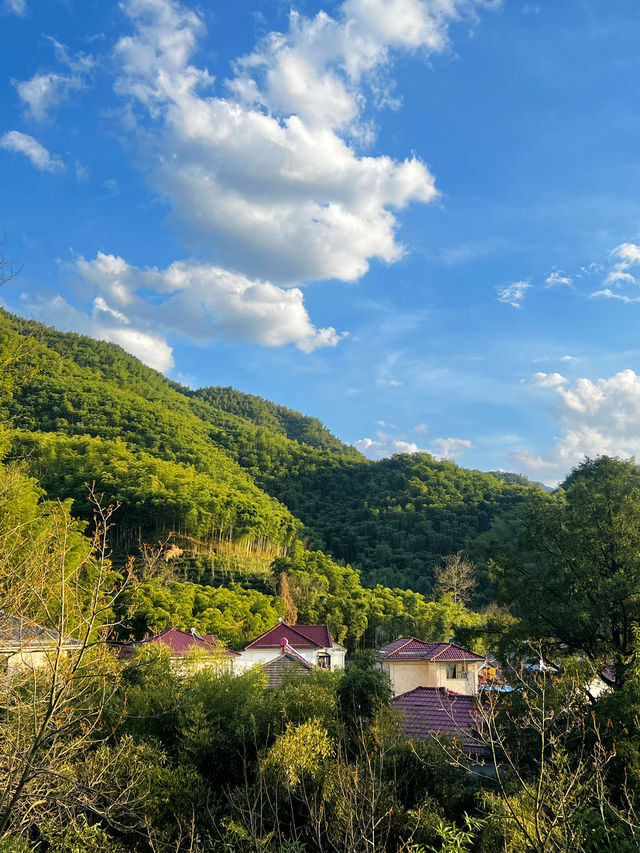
(416, 220)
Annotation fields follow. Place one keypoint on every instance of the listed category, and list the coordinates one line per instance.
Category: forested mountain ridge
(277, 419)
(218, 464)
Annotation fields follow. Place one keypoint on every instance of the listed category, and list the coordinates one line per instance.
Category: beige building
(26, 645)
(412, 663)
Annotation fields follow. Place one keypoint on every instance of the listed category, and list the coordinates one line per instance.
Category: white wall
(251, 657)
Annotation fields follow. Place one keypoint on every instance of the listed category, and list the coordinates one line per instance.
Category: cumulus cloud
(601, 417)
(100, 323)
(546, 380)
(513, 294)
(266, 169)
(22, 143)
(201, 301)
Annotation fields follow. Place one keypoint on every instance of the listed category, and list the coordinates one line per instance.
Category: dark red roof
(298, 636)
(180, 642)
(409, 648)
(431, 711)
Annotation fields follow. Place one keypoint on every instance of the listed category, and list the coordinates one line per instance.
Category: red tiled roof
(409, 648)
(180, 642)
(299, 636)
(431, 711)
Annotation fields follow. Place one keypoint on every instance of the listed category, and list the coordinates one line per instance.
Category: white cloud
(268, 174)
(626, 256)
(55, 311)
(43, 92)
(46, 90)
(556, 278)
(16, 7)
(513, 294)
(449, 448)
(389, 383)
(607, 293)
(201, 301)
(383, 447)
(546, 380)
(150, 348)
(421, 428)
(22, 143)
(601, 417)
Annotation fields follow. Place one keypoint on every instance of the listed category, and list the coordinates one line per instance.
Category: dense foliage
(393, 520)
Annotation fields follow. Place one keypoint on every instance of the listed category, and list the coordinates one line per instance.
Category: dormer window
(324, 660)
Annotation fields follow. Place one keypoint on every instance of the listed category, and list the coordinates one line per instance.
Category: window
(456, 670)
(324, 660)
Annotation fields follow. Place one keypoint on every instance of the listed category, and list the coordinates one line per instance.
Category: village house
(25, 645)
(292, 646)
(412, 663)
(181, 643)
(435, 686)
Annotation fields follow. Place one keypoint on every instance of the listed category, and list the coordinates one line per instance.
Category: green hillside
(220, 466)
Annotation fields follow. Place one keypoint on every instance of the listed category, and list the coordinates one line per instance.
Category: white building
(312, 643)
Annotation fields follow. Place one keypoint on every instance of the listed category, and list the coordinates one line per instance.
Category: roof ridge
(302, 636)
(305, 636)
(446, 646)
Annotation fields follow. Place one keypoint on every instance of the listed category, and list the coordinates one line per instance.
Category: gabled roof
(180, 642)
(298, 636)
(409, 648)
(18, 633)
(432, 711)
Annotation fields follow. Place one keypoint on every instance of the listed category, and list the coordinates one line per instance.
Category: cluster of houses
(434, 684)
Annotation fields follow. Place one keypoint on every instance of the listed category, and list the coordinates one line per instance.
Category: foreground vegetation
(100, 755)
(128, 504)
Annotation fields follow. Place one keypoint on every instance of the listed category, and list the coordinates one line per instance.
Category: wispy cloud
(513, 294)
(557, 278)
(22, 143)
(16, 7)
(46, 90)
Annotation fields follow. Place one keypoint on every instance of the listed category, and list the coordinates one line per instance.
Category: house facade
(25, 645)
(412, 663)
(313, 644)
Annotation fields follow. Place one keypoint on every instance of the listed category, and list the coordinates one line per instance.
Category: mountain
(219, 467)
